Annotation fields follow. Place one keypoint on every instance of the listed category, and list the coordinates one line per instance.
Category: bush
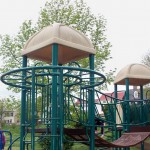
(45, 143)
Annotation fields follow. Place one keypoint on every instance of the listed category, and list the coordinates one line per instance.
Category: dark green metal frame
(55, 85)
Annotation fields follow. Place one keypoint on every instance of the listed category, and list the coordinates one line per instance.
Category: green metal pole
(47, 104)
(23, 105)
(141, 91)
(42, 103)
(143, 117)
(54, 144)
(33, 111)
(127, 104)
(115, 91)
(142, 146)
(68, 103)
(61, 109)
(117, 133)
(116, 96)
(127, 109)
(92, 105)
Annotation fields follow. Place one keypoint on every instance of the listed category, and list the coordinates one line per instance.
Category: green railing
(114, 110)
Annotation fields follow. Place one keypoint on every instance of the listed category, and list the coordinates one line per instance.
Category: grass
(79, 146)
(15, 130)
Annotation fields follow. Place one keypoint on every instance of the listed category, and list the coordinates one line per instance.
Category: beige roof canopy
(73, 45)
(138, 74)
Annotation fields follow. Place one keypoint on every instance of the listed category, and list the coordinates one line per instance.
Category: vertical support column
(141, 92)
(115, 111)
(54, 143)
(127, 114)
(23, 105)
(42, 103)
(91, 106)
(61, 109)
(33, 111)
(127, 108)
(117, 133)
(143, 117)
(115, 91)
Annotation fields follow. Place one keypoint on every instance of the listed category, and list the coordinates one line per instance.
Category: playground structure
(50, 94)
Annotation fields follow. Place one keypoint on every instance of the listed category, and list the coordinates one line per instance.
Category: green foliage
(78, 146)
(10, 49)
(146, 59)
(45, 143)
(8, 104)
(76, 14)
(147, 92)
(134, 113)
(108, 110)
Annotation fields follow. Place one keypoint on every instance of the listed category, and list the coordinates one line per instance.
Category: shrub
(45, 143)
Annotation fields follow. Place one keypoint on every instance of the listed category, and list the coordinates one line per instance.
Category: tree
(146, 59)
(76, 14)
(8, 104)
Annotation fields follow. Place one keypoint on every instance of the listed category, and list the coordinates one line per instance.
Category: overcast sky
(128, 25)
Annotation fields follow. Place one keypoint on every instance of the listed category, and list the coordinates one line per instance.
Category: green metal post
(54, 137)
(61, 109)
(115, 91)
(47, 104)
(142, 145)
(141, 92)
(127, 104)
(68, 103)
(127, 109)
(33, 112)
(142, 111)
(92, 105)
(42, 103)
(23, 105)
(117, 133)
(143, 117)
(116, 96)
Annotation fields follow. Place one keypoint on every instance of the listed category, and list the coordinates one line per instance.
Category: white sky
(128, 25)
